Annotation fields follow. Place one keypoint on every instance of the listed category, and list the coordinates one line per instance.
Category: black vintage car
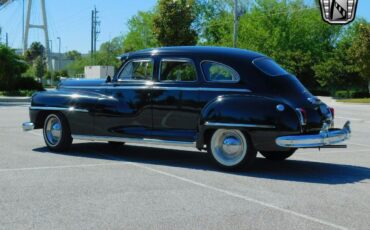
(231, 102)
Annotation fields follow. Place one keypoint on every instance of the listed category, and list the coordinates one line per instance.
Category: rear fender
(256, 115)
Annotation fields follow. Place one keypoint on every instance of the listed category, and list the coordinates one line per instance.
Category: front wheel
(57, 134)
(231, 149)
(278, 156)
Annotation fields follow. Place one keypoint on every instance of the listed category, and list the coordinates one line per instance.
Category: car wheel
(57, 134)
(231, 149)
(278, 156)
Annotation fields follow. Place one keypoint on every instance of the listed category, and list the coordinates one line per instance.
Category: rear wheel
(231, 149)
(57, 134)
(278, 156)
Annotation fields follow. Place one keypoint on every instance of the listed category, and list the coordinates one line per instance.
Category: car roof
(201, 51)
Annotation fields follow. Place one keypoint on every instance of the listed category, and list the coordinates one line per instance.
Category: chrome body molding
(135, 140)
(324, 138)
(70, 109)
(28, 126)
(209, 89)
(235, 125)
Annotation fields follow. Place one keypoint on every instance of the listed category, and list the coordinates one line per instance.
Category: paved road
(143, 187)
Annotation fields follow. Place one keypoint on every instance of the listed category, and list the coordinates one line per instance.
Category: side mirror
(108, 80)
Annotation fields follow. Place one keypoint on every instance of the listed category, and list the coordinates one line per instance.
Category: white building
(96, 72)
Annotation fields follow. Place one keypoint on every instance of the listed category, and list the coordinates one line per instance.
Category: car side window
(217, 72)
(137, 70)
(177, 70)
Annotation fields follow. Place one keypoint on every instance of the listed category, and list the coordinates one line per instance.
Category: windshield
(269, 67)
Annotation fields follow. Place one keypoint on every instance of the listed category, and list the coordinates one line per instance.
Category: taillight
(302, 114)
(332, 111)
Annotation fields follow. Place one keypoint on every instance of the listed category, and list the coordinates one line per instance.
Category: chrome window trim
(136, 60)
(69, 109)
(218, 124)
(164, 88)
(175, 59)
(227, 66)
(201, 89)
(134, 140)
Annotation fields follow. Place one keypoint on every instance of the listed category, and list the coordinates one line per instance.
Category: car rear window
(269, 67)
(217, 72)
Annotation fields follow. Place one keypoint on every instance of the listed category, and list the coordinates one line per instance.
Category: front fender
(65, 99)
(76, 106)
(256, 115)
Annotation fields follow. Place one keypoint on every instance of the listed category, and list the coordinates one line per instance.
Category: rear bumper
(324, 138)
(28, 126)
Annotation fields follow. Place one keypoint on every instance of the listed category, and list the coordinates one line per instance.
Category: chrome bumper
(324, 138)
(28, 126)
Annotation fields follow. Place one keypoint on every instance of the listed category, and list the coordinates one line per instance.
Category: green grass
(355, 100)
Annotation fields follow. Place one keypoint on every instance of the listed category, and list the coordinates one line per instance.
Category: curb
(15, 99)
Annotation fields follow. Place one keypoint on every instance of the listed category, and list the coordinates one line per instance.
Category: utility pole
(95, 23)
(236, 18)
(23, 39)
(6, 40)
(92, 33)
(50, 55)
(60, 53)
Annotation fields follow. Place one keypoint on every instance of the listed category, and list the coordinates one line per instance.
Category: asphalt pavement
(94, 186)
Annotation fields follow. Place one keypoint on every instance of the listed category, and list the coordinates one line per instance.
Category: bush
(344, 94)
(350, 94)
(320, 92)
(18, 93)
(26, 83)
(363, 94)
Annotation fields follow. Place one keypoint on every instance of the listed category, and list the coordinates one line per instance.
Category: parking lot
(94, 186)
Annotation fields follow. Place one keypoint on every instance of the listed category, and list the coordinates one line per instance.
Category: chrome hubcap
(53, 130)
(229, 147)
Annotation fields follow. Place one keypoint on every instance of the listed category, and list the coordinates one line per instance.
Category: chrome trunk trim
(134, 140)
(324, 138)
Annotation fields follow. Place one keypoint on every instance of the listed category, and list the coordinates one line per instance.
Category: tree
(107, 55)
(39, 68)
(360, 51)
(173, 23)
(11, 67)
(36, 50)
(140, 35)
(340, 69)
(109, 51)
(215, 19)
(73, 55)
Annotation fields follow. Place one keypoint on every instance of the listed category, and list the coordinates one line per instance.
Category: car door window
(217, 72)
(137, 70)
(177, 70)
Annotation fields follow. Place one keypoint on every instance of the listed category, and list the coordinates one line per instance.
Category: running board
(134, 140)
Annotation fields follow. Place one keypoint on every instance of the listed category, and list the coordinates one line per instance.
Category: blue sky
(71, 20)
